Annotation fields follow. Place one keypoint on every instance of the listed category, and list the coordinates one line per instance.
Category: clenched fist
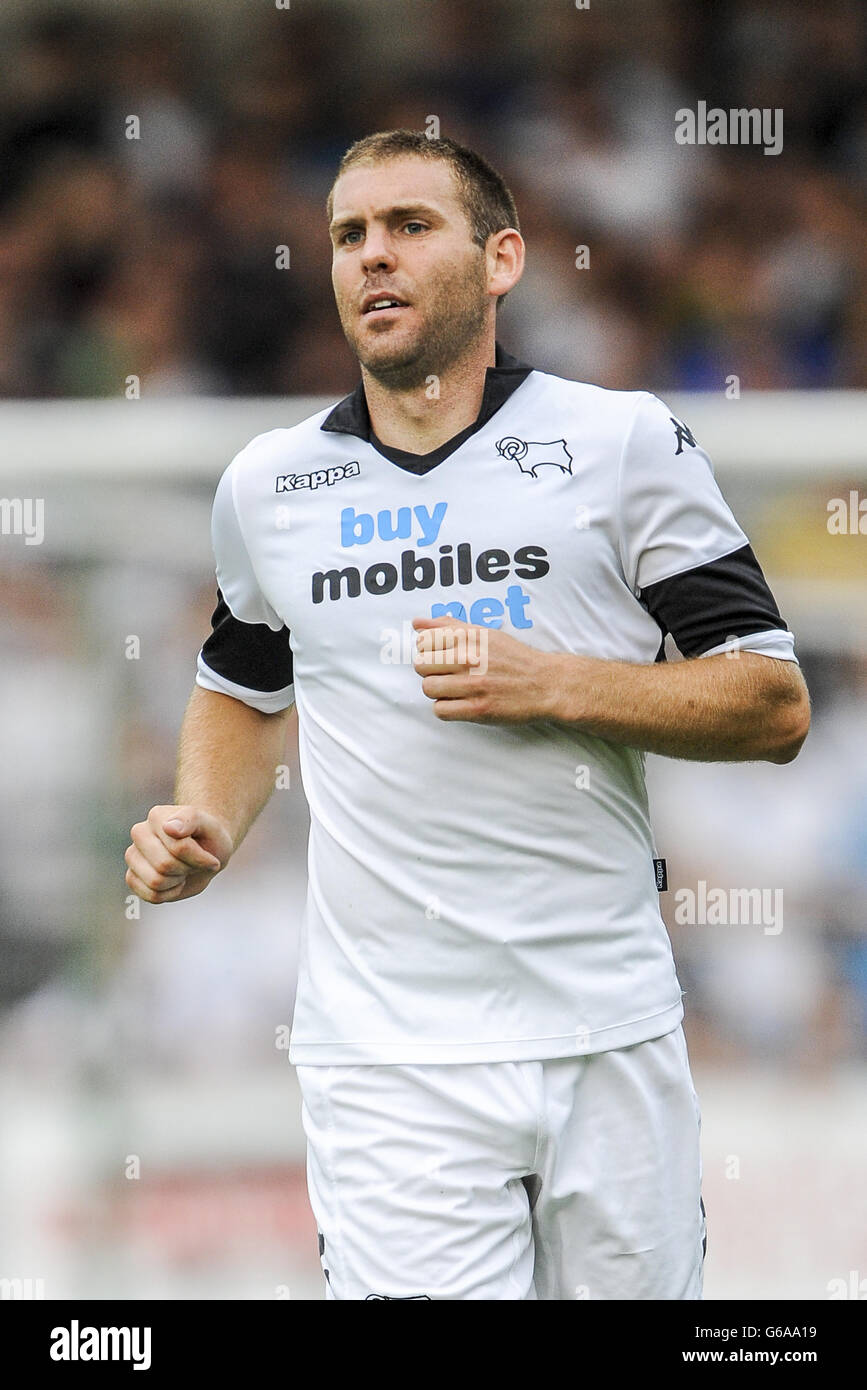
(176, 852)
(484, 675)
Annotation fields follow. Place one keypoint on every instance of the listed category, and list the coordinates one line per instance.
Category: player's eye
(421, 225)
(350, 232)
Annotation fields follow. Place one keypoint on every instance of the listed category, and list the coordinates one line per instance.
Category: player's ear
(504, 253)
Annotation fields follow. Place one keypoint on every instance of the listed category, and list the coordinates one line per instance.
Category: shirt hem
(576, 1044)
(266, 701)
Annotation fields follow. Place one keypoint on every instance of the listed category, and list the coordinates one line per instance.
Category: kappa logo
(291, 482)
(682, 435)
(529, 454)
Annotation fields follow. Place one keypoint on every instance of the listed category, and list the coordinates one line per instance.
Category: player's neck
(421, 418)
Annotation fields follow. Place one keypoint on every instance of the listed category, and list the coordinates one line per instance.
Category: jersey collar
(351, 416)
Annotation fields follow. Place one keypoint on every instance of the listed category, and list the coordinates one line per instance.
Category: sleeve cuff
(267, 701)
(778, 643)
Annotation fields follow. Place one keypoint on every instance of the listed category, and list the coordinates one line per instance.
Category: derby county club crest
(530, 455)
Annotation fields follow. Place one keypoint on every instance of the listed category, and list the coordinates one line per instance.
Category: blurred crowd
(154, 158)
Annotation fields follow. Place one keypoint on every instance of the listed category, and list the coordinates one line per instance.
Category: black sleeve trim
(248, 654)
(706, 606)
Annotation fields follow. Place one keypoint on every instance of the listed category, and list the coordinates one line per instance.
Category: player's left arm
(735, 706)
(738, 694)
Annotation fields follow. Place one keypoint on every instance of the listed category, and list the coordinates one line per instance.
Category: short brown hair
(487, 201)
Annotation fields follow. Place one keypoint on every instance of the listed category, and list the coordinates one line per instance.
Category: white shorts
(567, 1179)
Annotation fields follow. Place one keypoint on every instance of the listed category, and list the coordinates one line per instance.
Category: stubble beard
(439, 343)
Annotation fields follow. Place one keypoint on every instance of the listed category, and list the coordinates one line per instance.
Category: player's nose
(378, 252)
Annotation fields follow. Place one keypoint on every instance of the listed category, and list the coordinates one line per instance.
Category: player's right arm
(234, 728)
(227, 758)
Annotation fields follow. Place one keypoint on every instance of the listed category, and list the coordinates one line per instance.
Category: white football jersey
(477, 892)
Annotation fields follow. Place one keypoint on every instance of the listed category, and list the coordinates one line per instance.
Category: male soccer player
(462, 574)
